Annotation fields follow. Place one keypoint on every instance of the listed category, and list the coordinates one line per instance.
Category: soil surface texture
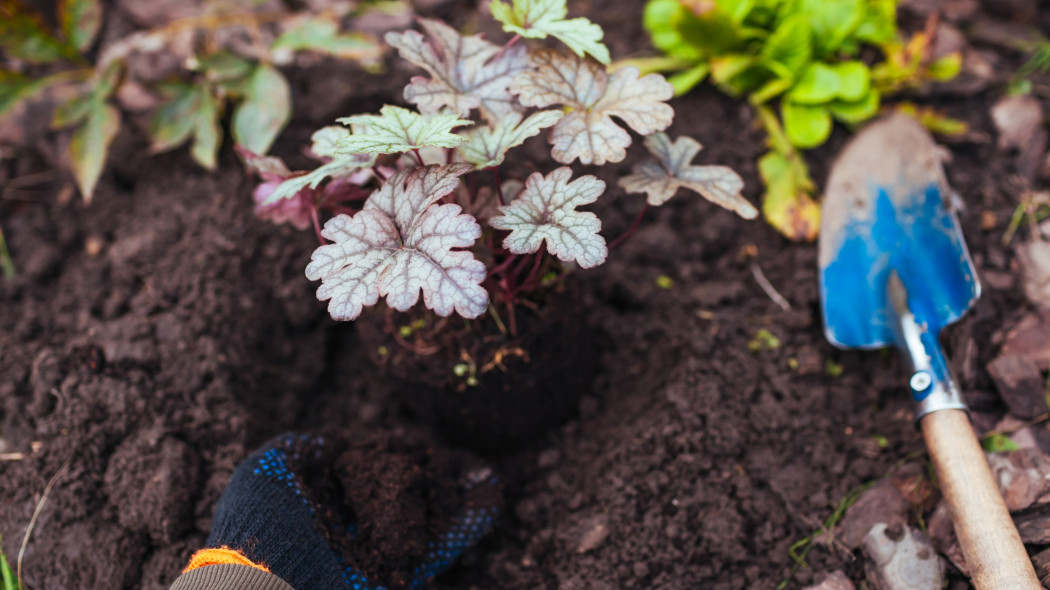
(154, 339)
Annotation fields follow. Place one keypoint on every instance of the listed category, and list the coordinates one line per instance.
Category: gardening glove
(273, 529)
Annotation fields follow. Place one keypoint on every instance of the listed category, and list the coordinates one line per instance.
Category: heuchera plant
(438, 219)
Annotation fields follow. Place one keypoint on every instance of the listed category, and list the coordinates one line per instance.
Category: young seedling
(8, 581)
(442, 218)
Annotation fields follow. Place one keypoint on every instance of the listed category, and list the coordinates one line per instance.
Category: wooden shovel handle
(994, 553)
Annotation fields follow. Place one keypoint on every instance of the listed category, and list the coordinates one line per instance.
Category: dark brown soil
(514, 388)
(402, 492)
(151, 341)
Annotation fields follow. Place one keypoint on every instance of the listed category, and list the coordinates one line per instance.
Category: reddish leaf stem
(379, 175)
(504, 49)
(317, 225)
(499, 185)
(513, 321)
(501, 267)
(630, 231)
(526, 284)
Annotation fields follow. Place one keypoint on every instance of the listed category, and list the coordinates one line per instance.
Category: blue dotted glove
(280, 511)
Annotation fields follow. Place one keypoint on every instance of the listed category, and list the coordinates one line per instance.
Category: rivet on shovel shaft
(920, 381)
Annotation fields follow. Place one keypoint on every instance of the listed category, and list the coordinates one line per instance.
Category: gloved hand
(274, 529)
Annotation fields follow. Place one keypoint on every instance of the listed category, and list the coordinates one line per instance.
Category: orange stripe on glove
(218, 556)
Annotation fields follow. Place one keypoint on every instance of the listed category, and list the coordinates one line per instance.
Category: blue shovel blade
(886, 208)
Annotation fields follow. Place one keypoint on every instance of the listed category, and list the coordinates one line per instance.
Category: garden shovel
(894, 270)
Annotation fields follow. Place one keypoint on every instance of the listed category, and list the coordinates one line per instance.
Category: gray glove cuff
(229, 576)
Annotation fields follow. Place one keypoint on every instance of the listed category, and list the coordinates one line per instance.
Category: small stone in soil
(942, 535)
(1023, 477)
(1041, 561)
(1028, 339)
(1021, 385)
(834, 581)
(594, 533)
(902, 559)
(1034, 525)
(883, 503)
(1034, 257)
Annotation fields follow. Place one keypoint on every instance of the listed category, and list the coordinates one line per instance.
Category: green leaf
(772, 166)
(831, 22)
(398, 129)
(789, 47)
(817, 84)
(224, 66)
(193, 111)
(106, 81)
(879, 24)
(945, 68)
(265, 111)
(7, 577)
(685, 81)
(856, 111)
(854, 80)
(320, 33)
(207, 134)
(725, 68)
(536, 19)
(23, 37)
(769, 90)
(339, 167)
(735, 10)
(175, 121)
(15, 88)
(934, 120)
(80, 21)
(661, 19)
(997, 443)
(486, 146)
(821, 83)
(787, 205)
(90, 144)
(72, 111)
(807, 126)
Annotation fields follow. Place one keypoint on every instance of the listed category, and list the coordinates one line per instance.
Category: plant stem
(472, 188)
(317, 225)
(419, 158)
(504, 49)
(499, 185)
(526, 284)
(535, 269)
(630, 231)
(378, 173)
(513, 320)
(6, 265)
(501, 267)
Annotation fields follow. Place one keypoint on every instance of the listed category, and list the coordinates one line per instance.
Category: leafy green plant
(804, 55)
(214, 78)
(420, 199)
